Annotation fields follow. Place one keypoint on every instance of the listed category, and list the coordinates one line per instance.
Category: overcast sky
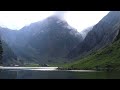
(77, 19)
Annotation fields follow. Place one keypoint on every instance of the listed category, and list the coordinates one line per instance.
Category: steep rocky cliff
(47, 41)
(102, 34)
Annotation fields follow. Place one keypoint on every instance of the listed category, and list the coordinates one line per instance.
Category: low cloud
(60, 14)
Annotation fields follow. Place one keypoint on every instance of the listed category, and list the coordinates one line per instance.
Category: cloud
(60, 14)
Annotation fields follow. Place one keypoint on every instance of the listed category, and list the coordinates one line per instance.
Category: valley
(53, 42)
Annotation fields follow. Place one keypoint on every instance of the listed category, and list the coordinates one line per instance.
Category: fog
(77, 19)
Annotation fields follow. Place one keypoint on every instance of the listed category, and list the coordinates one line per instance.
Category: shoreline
(44, 69)
(53, 69)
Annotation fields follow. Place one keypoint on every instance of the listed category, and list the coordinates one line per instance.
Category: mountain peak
(55, 18)
(59, 21)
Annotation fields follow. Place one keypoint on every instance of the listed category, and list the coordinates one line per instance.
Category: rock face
(1, 51)
(85, 32)
(9, 58)
(54, 41)
(56, 36)
(47, 41)
(102, 34)
(105, 59)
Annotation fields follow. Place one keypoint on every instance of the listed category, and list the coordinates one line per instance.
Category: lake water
(55, 74)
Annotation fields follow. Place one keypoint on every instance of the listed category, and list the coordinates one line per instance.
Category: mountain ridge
(52, 32)
(54, 41)
(101, 35)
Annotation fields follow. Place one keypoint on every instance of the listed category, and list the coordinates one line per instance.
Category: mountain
(52, 40)
(107, 56)
(47, 41)
(104, 40)
(9, 58)
(85, 32)
(1, 51)
(101, 35)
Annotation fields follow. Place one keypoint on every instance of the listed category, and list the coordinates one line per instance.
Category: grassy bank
(108, 57)
(32, 65)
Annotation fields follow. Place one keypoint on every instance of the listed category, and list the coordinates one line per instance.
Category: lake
(53, 73)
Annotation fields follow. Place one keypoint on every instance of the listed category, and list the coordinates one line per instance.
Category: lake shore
(52, 69)
(44, 69)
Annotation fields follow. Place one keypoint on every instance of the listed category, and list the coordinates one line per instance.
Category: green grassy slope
(107, 56)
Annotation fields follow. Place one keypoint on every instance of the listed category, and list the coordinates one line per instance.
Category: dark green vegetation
(52, 41)
(1, 51)
(100, 49)
(43, 42)
(108, 57)
(32, 65)
(9, 58)
(101, 35)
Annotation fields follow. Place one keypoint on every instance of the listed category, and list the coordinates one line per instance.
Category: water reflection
(31, 74)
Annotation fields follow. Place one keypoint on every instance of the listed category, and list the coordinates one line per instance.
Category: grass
(107, 56)
(32, 65)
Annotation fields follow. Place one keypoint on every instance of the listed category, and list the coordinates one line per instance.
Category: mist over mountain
(85, 31)
(104, 59)
(53, 40)
(8, 57)
(47, 41)
(60, 14)
(102, 34)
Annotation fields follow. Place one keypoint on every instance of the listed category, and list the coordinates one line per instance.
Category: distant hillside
(8, 58)
(1, 51)
(47, 41)
(106, 50)
(106, 56)
(101, 35)
(53, 41)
